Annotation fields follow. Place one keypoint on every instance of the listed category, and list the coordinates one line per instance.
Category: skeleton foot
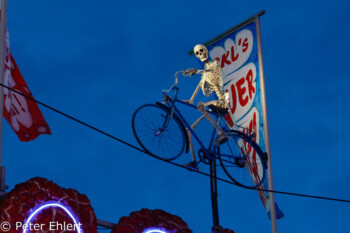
(201, 107)
(188, 101)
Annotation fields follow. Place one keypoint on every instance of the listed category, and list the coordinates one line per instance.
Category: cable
(72, 118)
(178, 165)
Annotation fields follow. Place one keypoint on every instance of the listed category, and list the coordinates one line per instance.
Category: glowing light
(53, 204)
(154, 231)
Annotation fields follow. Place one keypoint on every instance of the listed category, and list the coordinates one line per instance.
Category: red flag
(22, 114)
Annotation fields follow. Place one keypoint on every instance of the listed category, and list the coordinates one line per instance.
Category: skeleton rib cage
(211, 80)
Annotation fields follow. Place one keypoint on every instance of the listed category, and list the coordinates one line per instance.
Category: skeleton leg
(191, 145)
(190, 137)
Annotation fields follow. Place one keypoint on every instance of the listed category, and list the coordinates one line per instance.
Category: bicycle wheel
(242, 160)
(160, 136)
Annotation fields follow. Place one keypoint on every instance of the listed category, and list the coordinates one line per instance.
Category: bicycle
(162, 131)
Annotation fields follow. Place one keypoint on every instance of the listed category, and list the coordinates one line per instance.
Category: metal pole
(106, 224)
(266, 127)
(2, 67)
(213, 192)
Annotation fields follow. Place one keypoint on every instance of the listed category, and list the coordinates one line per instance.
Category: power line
(176, 164)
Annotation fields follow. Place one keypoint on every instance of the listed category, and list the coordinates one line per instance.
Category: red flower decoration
(144, 219)
(17, 205)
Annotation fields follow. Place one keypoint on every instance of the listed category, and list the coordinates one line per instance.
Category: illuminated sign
(53, 204)
(154, 230)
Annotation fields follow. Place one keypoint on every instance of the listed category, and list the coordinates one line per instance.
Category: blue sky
(100, 60)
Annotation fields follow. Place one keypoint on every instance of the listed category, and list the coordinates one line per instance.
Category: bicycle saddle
(218, 110)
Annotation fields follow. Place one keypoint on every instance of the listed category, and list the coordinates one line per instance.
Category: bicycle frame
(210, 151)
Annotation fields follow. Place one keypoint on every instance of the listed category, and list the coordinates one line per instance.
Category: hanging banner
(239, 53)
(23, 115)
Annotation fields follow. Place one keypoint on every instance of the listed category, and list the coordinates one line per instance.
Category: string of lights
(176, 164)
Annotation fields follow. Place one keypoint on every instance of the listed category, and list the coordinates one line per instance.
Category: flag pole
(2, 67)
(266, 129)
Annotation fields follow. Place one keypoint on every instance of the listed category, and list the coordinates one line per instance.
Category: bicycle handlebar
(188, 72)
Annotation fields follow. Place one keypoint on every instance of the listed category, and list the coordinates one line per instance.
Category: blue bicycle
(164, 133)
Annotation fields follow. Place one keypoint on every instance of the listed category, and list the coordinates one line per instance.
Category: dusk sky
(100, 60)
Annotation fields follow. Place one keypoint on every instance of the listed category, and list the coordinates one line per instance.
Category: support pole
(214, 192)
(2, 67)
(105, 224)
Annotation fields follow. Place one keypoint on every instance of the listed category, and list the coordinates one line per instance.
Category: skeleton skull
(201, 52)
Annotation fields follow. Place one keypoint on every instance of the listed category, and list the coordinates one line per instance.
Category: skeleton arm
(192, 71)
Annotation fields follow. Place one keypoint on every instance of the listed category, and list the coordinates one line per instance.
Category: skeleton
(211, 81)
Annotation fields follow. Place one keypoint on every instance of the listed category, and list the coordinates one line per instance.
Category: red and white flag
(22, 114)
